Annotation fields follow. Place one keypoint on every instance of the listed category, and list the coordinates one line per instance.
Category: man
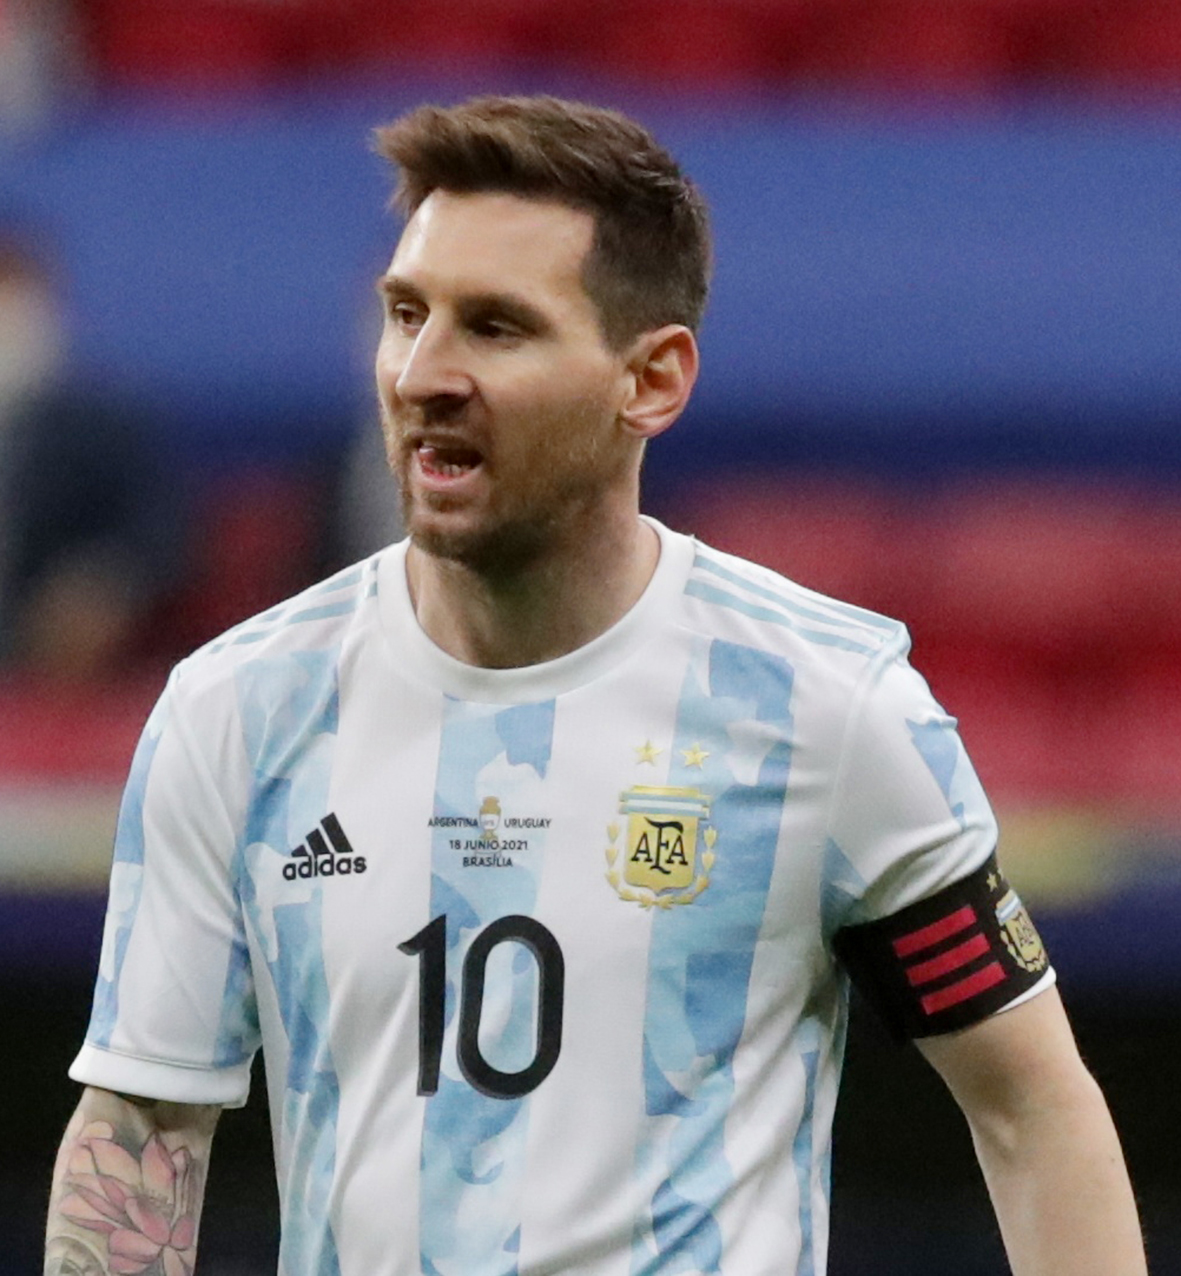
(88, 527)
(534, 850)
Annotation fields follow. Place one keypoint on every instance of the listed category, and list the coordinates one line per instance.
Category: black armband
(947, 961)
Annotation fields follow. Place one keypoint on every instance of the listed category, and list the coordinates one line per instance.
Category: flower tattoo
(145, 1206)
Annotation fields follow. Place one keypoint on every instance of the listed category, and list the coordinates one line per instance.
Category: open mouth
(447, 462)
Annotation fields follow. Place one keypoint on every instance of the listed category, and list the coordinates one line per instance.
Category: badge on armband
(947, 961)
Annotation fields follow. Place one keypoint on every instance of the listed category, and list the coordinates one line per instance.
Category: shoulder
(312, 625)
(733, 598)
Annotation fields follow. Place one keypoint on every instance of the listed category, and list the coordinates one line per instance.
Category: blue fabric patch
(126, 879)
(473, 1150)
(527, 732)
(842, 889)
(701, 954)
(939, 746)
(290, 713)
(238, 1031)
(686, 1233)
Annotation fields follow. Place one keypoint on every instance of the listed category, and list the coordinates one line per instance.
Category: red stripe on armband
(930, 935)
(946, 962)
(973, 986)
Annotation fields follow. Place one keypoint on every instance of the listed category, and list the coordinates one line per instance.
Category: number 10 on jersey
(430, 947)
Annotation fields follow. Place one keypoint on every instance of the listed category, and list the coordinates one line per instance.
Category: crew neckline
(414, 652)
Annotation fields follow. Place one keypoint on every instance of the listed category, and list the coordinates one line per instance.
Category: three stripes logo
(949, 961)
(325, 852)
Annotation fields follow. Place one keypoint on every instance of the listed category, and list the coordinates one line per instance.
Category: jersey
(541, 960)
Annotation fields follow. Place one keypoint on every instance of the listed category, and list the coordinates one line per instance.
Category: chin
(488, 551)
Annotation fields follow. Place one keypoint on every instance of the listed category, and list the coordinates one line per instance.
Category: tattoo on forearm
(124, 1205)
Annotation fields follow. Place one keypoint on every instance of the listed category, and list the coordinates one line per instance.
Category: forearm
(1058, 1184)
(128, 1187)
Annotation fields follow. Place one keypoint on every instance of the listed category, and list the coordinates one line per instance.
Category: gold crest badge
(668, 853)
(1019, 933)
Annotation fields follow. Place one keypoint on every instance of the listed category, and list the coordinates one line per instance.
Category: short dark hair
(649, 262)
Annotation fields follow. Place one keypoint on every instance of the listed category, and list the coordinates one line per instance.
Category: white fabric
(685, 1123)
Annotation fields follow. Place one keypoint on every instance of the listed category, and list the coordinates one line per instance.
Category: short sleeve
(908, 814)
(174, 1013)
(915, 905)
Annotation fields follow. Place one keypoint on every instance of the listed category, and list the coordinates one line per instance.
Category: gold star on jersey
(694, 756)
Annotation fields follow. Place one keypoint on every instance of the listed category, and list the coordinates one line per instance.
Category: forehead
(493, 240)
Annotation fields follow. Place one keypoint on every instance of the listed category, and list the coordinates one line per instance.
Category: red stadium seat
(1032, 567)
(1018, 724)
(1139, 44)
(255, 544)
(1046, 41)
(1142, 729)
(1150, 593)
(911, 44)
(445, 34)
(703, 44)
(76, 731)
(195, 45)
(696, 44)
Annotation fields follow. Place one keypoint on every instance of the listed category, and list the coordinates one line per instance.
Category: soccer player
(537, 851)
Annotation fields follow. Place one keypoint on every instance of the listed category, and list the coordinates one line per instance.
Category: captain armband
(947, 961)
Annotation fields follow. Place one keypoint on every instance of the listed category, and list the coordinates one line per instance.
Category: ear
(662, 368)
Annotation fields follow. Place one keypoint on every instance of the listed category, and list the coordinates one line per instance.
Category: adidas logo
(324, 856)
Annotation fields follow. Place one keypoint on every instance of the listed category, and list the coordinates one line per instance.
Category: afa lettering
(667, 846)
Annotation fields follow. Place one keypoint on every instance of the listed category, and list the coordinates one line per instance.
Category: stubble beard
(561, 487)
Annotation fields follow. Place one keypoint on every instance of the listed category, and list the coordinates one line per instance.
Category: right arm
(128, 1186)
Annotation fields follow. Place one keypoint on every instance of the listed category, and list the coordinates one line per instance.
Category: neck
(561, 601)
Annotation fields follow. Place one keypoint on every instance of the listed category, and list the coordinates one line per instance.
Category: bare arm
(128, 1187)
(1045, 1142)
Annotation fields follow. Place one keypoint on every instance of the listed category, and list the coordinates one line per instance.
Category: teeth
(435, 463)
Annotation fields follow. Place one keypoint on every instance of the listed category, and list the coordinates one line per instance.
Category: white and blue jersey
(540, 959)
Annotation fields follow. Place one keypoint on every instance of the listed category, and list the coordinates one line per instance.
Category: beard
(535, 500)
(501, 546)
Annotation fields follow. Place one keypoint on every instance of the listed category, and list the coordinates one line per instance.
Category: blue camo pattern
(473, 1149)
(939, 745)
(289, 708)
(701, 955)
(126, 879)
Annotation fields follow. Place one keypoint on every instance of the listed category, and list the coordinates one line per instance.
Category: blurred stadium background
(942, 379)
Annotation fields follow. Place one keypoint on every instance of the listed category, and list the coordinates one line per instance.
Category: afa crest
(668, 853)
(1019, 933)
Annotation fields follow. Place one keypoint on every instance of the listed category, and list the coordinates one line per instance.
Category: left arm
(1045, 1142)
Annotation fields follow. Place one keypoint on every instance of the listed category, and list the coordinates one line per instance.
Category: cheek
(561, 399)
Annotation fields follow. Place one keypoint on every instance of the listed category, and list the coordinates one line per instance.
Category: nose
(427, 367)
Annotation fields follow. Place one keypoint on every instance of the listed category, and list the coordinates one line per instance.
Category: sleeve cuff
(168, 1082)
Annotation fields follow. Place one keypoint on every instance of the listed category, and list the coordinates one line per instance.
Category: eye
(495, 328)
(404, 315)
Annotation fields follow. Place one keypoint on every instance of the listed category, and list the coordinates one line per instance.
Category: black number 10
(430, 945)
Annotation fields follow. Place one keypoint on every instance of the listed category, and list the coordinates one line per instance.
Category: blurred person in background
(627, 811)
(88, 527)
(41, 62)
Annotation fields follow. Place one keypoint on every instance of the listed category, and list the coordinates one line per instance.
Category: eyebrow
(514, 308)
(396, 286)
